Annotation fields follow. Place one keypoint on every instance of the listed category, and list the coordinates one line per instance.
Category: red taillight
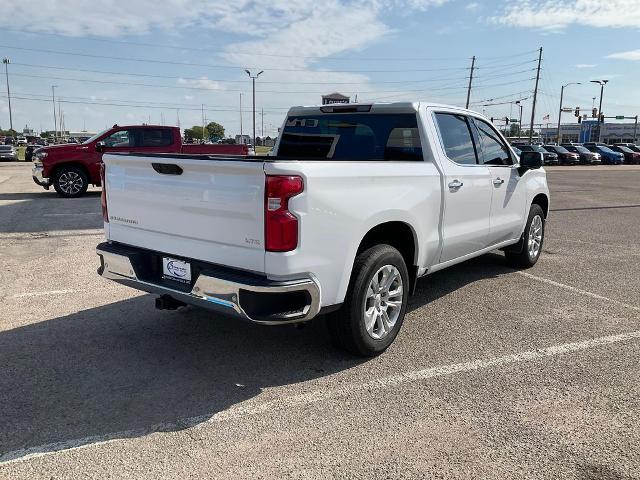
(103, 195)
(280, 225)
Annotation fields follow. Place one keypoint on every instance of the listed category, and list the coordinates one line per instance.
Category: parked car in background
(587, 157)
(22, 141)
(630, 156)
(8, 153)
(70, 168)
(565, 157)
(631, 146)
(357, 203)
(516, 150)
(9, 141)
(549, 157)
(609, 157)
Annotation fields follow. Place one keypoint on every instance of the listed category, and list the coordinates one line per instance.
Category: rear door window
(457, 138)
(355, 137)
(155, 137)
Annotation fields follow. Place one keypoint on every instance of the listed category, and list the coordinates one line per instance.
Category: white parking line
(580, 291)
(293, 401)
(48, 292)
(69, 214)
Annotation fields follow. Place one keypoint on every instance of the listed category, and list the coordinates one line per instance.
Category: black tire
(522, 256)
(347, 325)
(70, 182)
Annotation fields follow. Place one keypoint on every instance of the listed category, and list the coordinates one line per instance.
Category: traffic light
(579, 119)
(506, 121)
(594, 113)
(577, 112)
(602, 118)
(491, 119)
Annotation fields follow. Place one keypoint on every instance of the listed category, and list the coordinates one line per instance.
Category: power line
(231, 67)
(103, 72)
(150, 85)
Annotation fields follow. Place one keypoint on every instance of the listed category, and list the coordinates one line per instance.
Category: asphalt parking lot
(496, 374)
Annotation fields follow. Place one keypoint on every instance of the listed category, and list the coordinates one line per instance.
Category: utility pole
(55, 120)
(262, 117)
(535, 96)
(560, 110)
(635, 129)
(241, 118)
(178, 117)
(473, 64)
(202, 106)
(6, 62)
(253, 78)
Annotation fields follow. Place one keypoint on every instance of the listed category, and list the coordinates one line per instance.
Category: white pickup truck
(357, 202)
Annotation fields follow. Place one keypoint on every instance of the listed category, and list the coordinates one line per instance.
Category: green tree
(194, 132)
(215, 130)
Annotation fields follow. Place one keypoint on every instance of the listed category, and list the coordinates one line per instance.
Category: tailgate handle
(167, 168)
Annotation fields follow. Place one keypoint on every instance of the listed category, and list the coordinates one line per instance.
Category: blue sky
(157, 61)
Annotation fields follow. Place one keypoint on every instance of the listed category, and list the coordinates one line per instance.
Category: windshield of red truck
(392, 137)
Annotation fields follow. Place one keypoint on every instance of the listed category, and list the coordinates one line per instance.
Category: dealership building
(587, 131)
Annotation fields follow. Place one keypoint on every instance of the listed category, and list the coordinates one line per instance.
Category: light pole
(602, 83)
(253, 78)
(55, 120)
(560, 110)
(520, 122)
(6, 62)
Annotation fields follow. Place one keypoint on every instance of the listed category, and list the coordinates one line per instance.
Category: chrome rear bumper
(257, 300)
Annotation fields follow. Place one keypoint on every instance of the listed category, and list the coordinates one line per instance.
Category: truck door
(467, 187)
(508, 192)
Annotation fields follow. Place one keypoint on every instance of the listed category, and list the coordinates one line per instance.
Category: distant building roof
(335, 97)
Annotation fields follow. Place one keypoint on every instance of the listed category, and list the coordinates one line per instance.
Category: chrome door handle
(455, 184)
(498, 181)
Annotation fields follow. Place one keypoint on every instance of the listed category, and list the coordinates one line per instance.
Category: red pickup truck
(71, 168)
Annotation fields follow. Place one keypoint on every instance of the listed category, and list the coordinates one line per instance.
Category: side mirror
(530, 161)
(100, 147)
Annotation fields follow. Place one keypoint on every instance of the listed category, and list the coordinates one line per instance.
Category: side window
(493, 151)
(121, 138)
(457, 138)
(155, 137)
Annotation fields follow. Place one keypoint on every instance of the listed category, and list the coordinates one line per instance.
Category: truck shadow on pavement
(32, 212)
(124, 369)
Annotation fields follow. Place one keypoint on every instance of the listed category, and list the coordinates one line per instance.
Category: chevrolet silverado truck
(70, 168)
(357, 203)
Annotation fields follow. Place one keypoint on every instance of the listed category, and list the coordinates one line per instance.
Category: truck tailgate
(210, 210)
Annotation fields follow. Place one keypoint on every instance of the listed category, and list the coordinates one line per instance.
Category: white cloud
(472, 7)
(630, 55)
(558, 14)
(586, 65)
(202, 82)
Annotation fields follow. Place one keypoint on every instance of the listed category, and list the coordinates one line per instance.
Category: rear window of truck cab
(382, 137)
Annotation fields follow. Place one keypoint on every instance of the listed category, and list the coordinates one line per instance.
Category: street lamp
(602, 83)
(560, 111)
(520, 122)
(253, 78)
(55, 121)
(6, 62)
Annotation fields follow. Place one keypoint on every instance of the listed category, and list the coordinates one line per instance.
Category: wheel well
(400, 236)
(542, 200)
